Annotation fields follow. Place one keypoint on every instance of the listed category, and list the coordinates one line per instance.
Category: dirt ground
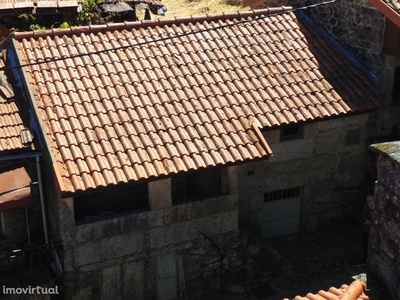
(313, 262)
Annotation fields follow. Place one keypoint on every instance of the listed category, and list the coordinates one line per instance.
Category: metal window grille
(28, 266)
(282, 194)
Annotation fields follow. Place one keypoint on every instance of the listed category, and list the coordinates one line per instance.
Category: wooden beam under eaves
(388, 11)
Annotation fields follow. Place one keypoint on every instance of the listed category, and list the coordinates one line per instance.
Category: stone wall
(384, 252)
(116, 258)
(355, 24)
(386, 126)
(329, 164)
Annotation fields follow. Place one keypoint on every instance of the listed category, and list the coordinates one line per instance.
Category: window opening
(111, 201)
(292, 132)
(199, 185)
(282, 194)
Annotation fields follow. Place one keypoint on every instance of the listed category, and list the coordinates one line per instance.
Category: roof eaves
(41, 132)
(153, 23)
(388, 149)
(388, 11)
(256, 125)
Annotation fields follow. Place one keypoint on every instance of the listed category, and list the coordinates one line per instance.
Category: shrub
(64, 25)
(90, 12)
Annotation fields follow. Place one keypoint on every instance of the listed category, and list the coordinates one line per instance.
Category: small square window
(292, 132)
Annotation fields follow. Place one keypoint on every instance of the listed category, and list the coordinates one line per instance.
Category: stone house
(377, 23)
(368, 29)
(383, 261)
(384, 245)
(156, 143)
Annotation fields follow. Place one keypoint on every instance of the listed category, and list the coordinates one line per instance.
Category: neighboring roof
(18, 7)
(117, 7)
(11, 124)
(15, 187)
(390, 8)
(354, 291)
(395, 4)
(181, 94)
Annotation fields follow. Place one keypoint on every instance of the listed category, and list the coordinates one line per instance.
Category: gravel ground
(314, 261)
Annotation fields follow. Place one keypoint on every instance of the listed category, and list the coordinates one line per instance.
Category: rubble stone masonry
(355, 24)
(384, 246)
(329, 164)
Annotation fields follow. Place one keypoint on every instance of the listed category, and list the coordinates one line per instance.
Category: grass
(180, 8)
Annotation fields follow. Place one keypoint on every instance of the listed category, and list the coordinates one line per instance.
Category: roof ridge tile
(151, 23)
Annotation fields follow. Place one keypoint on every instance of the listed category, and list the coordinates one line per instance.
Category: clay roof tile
(179, 94)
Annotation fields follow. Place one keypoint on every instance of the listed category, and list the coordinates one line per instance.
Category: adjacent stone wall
(329, 163)
(384, 252)
(386, 125)
(116, 258)
(355, 24)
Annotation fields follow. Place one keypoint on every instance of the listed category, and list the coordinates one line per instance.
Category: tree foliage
(90, 13)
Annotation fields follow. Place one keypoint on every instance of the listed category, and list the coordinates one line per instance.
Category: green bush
(64, 25)
(89, 13)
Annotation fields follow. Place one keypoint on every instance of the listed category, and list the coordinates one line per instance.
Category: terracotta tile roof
(181, 94)
(10, 120)
(395, 4)
(354, 291)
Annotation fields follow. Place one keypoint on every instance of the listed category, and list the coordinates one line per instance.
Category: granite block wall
(116, 258)
(329, 164)
(384, 246)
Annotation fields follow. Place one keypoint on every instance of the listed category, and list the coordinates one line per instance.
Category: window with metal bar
(282, 194)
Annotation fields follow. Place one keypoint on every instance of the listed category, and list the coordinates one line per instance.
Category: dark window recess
(1, 225)
(396, 87)
(199, 185)
(282, 194)
(179, 189)
(352, 137)
(293, 132)
(116, 200)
